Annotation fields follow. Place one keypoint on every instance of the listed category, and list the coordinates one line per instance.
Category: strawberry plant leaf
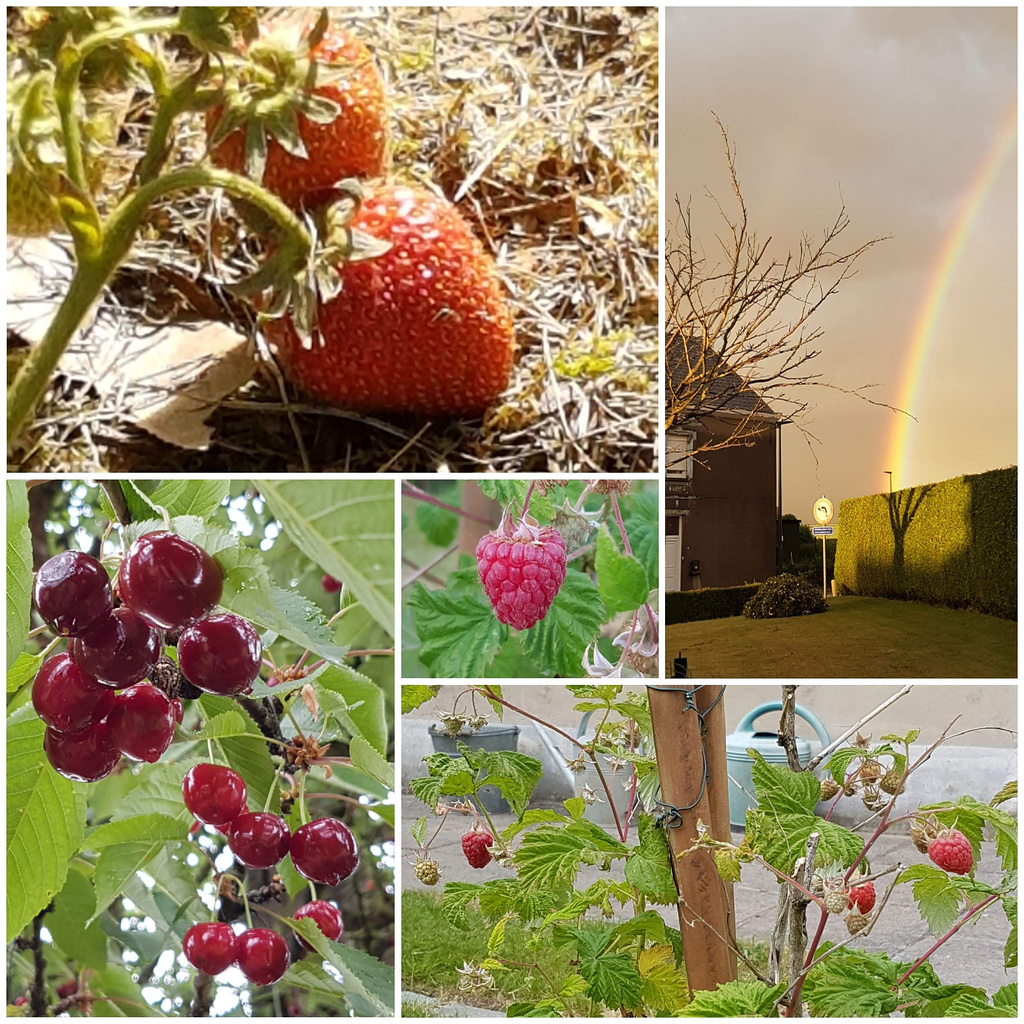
(574, 619)
(734, 999)
(621, 578)
(44, 824)
(460, 610)
(19, 570)
(347, 528)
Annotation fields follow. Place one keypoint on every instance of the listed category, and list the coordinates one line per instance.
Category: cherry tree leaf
(19, 570)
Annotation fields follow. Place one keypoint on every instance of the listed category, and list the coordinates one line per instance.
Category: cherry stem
(245, 901)
(412, 491)
(303, 817)
(312, 890)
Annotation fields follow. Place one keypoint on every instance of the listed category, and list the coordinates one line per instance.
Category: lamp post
(888, 472)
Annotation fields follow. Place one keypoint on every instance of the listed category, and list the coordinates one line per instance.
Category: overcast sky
(898, 109)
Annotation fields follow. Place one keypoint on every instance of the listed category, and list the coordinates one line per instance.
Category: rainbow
(926, 322)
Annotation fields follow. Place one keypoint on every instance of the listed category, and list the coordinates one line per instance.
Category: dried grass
(542, 125)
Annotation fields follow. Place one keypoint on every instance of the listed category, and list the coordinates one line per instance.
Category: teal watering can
(739, 762)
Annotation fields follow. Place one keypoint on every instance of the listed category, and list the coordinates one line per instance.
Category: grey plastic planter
(490, 737)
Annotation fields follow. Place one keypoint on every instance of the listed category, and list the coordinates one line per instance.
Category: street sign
(823, 531)
(823, 511)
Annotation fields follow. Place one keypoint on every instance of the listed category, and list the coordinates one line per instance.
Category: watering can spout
(741, 762)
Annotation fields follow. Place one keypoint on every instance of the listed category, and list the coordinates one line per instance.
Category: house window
(679, 452)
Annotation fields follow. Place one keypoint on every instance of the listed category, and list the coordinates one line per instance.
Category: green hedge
(952, 543)
(710, 603)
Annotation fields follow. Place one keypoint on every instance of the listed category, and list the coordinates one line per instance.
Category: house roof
(727, 392)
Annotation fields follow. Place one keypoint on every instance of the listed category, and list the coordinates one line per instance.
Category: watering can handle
(776, 705)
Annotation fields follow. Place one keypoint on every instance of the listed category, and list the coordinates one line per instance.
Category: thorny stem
(95, 268)
(540, 971)
(529, 495)
(952, 931)
(412, 491)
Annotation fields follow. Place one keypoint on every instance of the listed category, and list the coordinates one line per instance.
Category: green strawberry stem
(96, 266)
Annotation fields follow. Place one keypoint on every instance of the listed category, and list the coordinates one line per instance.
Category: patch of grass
(859, 637)
(433, 950)
(416, 1010)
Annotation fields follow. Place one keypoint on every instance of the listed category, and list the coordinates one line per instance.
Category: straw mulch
(541, 123)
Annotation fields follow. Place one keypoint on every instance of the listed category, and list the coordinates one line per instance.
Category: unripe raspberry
(474, 846)
(871, 771)
(522, 568)
(856, 922)
(829, 789)
(427, 871)
(891, 783)
(835, 902)
(951, 851)
(863, 897)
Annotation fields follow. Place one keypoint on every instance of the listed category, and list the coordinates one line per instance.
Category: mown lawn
(857, 637)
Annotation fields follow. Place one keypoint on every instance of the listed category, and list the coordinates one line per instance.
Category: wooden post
(705, 904)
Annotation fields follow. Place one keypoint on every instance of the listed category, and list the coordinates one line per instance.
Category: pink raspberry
(522, 568)
(474, 846)
(863, 897)
(951, 851)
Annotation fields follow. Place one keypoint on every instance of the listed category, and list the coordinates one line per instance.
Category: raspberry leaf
(621, 578)
(415, 695)
(460, 610)
(781, 790)
(664, 985)
(781, 838)
(938, 896)
(559, 640)
(649, 867)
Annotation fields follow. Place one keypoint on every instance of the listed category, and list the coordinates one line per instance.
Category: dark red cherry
(221, 654)
(258, 839)
(69, 988)
(324, 851)
(179, 710)
(330, 584)
(213, 794)
(118, 651)
(85, 756)
(262, 955)
(142, 722)
(169, 581)
(72, 592)
(327, 917)
(211, 947)
(66, 698)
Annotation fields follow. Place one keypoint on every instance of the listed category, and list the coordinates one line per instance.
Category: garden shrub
(951, 543)
(785, 595)
(710, 603)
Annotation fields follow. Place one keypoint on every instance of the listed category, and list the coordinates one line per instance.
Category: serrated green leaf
(781, 838)
(116, 994)
(73, 908)
(117, 865)
(155, 827)
(45, 823)
(841, 760)
(460, 610)
(612, 979)
(734, 999)
(780, 790)
(642, 528)
(649, 867)
(438, 525)
(229, 723)
(159, 792)
(937, 895)
(456, 898)
(347, 528)
(508, 491)
(852, 983)
(22, 671)
(573, 621)
(514, 774)
(369, 760)
(549, 857)
(248, 756)
(621, 578)
(415, 695)
(366, 715)
(418, 831)
(177, 497)
(664, 985)
(19, 569)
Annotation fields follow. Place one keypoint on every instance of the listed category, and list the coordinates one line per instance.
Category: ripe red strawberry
(522, 568)
(474, 846)
(351, 145)
(422, 328)
(951, 851)
(862, 897)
